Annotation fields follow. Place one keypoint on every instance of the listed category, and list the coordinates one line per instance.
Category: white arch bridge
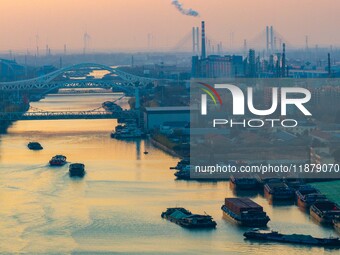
(50, 81)
(127, 83)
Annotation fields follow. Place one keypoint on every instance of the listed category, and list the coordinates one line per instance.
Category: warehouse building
(154, 117)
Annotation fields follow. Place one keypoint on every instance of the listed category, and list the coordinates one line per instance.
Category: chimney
(193, 41)
(267, 39)
(203, 55)
(284, 60)
(197, 40)
(272, 38)
(329, 65)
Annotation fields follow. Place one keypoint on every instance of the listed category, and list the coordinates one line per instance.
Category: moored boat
(243, 182)
(130, 130)
(186, 219)
(58, 160)
(181, 164)
(325, 212)
(279, 191)
(307, 196)
(245, 212)
(293, 238)
(183, 175)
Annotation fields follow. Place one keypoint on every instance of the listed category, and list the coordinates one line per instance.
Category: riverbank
(164, 148)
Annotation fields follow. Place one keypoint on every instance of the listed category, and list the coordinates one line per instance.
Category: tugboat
(77, 170)
(245, 212)
(58, 160)
(35, 146)
(294, 238)
(186, 219)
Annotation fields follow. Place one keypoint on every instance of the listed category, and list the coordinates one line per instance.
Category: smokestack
(203, 55)
(198, 40)
(245, 47)
(284, 60)
(193, 41)
(272, 38)
(329, 65)
(267, 37)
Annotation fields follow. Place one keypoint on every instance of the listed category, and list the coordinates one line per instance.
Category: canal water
(116, 207)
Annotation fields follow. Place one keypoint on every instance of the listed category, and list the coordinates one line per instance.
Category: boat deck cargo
(186, 219)
(245, 212)
(243, 181)
(58, 160)
(294, 238)
(77, 169)
(308, 195)
(279, 191)
(325, 212)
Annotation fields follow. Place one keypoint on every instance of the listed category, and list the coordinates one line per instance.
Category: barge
(58, 160)
(279, 191)
(293, 238)
(243, 182)
(325, 212)
(307, 196)
(77, 170)
(186, 219)
(245, 212)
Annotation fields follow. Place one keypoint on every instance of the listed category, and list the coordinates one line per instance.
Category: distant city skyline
(133, 25)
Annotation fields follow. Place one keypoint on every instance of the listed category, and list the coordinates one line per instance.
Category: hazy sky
(125, 24)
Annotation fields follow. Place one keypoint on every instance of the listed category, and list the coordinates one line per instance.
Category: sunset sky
(125, 24)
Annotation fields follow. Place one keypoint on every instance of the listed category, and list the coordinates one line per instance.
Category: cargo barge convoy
(293, 238)
(245, 212)
(186, 219)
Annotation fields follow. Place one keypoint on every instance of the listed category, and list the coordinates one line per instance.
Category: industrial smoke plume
(189, 12)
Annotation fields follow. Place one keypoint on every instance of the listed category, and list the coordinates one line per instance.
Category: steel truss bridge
(50, 81)
(126, 83)
(69, 115)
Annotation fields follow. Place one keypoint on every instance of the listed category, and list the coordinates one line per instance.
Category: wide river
(116, 207)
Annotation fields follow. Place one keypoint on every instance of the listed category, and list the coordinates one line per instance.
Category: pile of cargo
(185, 218)
(307, 195)
(325, 212)
(279, 191)
(245, 211)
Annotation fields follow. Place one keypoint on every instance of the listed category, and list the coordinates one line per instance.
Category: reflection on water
(117, 206)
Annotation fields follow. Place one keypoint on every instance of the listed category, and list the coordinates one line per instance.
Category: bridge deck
(13, 116)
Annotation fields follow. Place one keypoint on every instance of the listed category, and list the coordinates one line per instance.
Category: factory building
(214, 66)
(155, 117)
